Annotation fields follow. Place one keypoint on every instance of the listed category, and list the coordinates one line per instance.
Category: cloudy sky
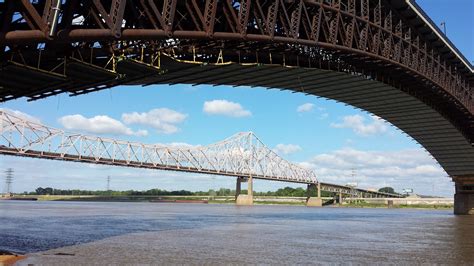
(342, 144)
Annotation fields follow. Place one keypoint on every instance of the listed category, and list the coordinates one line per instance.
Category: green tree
(387, 190)
(212, 192)
(40, 191)
(48, 191)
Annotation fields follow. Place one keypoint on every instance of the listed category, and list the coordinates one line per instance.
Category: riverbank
(8, 258)
(258, 200)
(398, 206)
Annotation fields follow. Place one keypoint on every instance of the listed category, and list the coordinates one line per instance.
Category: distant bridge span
(384, 56)
(242, 155)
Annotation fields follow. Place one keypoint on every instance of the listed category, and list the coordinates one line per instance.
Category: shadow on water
(463, 232)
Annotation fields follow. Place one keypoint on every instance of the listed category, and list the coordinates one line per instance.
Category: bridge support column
(238, 188)
(340, 198)
(244, 199)
(464, 199)
(314, 201)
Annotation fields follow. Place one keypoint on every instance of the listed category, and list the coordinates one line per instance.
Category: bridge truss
(383, 56)
(241, 155)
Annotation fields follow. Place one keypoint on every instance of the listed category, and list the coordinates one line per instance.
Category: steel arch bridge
(383, 56)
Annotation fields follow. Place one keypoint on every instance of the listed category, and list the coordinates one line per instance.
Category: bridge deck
(329, 187)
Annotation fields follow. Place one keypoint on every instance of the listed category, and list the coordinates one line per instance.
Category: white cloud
(100, 124)
(78, 20)
(323, 116)
(409, 168)
(287, 148)
(358, 125)
(182, 145)
(224, 107)
(164, 120)
(307, 107)
(21, 115)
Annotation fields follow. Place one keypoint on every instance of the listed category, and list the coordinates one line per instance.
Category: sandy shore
(7, 260)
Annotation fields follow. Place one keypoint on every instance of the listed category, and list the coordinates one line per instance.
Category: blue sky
(330, 137)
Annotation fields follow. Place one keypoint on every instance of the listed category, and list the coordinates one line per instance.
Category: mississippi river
(136, 233)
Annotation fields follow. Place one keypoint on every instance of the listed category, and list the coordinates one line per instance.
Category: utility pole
(8, 181)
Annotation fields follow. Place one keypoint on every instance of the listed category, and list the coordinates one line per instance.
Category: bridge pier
(314, 201)
(464, 199)
(244, 199)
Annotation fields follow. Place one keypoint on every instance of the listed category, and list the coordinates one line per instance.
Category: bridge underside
(433, 131)
(420, 121)
(413, 117)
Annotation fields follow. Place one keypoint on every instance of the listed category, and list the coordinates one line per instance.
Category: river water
(143, 233)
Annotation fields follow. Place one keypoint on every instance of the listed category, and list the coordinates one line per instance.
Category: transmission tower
(8, 181)
(108, 183)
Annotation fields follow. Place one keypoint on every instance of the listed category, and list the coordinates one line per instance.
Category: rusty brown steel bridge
(383, 56)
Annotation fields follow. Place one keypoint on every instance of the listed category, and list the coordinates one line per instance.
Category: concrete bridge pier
(464, 199)
(314, 201)
(244, 199)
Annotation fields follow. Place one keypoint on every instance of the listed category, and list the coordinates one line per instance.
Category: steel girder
(374, 29)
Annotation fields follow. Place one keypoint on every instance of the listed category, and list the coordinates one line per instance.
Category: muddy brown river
(62, 233)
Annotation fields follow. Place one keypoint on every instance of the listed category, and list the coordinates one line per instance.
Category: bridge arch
(410, 114)
(385, 57)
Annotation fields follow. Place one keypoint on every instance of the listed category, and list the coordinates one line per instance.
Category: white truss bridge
(241, 155)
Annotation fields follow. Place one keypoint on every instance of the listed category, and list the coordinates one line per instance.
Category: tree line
(282, 192)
